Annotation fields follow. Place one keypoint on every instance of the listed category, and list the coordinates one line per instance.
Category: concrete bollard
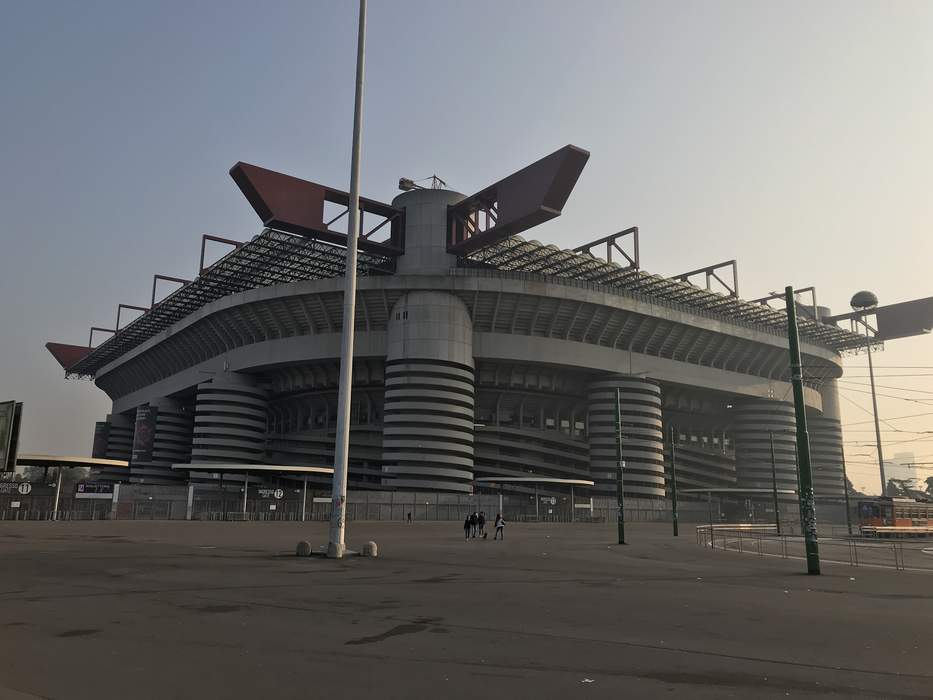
(303, 549)
(370, 549)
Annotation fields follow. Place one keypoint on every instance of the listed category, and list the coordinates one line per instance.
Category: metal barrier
(854, 551)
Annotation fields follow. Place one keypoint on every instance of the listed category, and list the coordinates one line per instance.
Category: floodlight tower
(864, 303)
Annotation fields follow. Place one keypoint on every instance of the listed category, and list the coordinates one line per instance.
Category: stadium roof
(516, 254)
(298, 244)
(271, 258)
(274, 257)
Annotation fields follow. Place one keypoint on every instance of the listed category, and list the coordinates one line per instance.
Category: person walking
(409, 517)
(466, 528)
(500, 525)
(481, 522)
(474, 520)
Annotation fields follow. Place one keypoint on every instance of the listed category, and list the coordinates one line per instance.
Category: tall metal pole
(674, 513)
(245, 491)
(807, 509)
(845, 486)
(58, 493)
(304, 498)
(874, 406)
(336, 545)
(799, 490)
(620, 468)
(777, 513)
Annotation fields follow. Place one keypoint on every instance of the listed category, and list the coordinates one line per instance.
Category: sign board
(90, 489)
(101, 438)
(8, 486)
(277, 494)
(272, 506)
(144, 433)
(10, 418)
(15, 504)
(24, 488)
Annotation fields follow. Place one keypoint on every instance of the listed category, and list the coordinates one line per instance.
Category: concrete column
(120, 437)
(115, 501)
(642, 437)
(426, 231)
(829, 393)
(230, 420)
(171, 442)
(753, 420)
(190, 508)
(429, 398)
(826, 453)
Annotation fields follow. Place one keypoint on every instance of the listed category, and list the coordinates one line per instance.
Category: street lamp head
(864, 300)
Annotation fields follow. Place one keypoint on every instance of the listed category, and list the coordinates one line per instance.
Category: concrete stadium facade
(465, 370)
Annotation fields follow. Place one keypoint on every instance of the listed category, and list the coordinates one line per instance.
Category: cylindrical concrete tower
(642, 436)
(426, 231)
(427, 438)
(826, 454)
(753, 420)
(829, 393)
(170, 442)
(120, 437)
(230, 421)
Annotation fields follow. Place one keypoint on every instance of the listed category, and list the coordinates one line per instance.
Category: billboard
(101, 437)
(11, 414)
(144, 433)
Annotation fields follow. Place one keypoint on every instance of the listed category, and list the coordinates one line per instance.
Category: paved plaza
(225, 610)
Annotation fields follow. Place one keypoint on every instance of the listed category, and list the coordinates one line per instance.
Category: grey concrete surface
(225, 610)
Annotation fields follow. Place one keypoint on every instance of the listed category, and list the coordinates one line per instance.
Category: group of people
(475, 525)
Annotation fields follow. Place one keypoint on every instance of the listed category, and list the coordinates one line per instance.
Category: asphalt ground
(123, 609)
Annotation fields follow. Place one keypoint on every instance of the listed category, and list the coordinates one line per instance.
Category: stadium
(481, 354)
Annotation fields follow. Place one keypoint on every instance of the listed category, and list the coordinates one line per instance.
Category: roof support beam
(710, 273)
(612, 243)
(120, 307)
(216, 239)
(166, 278)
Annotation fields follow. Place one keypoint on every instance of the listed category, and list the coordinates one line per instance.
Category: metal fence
(839, 548)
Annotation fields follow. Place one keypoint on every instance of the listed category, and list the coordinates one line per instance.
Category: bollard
(370, 549)
(303, 549)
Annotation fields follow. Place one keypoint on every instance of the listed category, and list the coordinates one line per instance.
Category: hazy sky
(795, 137)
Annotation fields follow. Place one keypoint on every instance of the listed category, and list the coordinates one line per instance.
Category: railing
(763, 540)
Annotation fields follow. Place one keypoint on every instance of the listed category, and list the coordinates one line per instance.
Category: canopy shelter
(67, 462)
(261, 469)
(492, 481)
(59, 461)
